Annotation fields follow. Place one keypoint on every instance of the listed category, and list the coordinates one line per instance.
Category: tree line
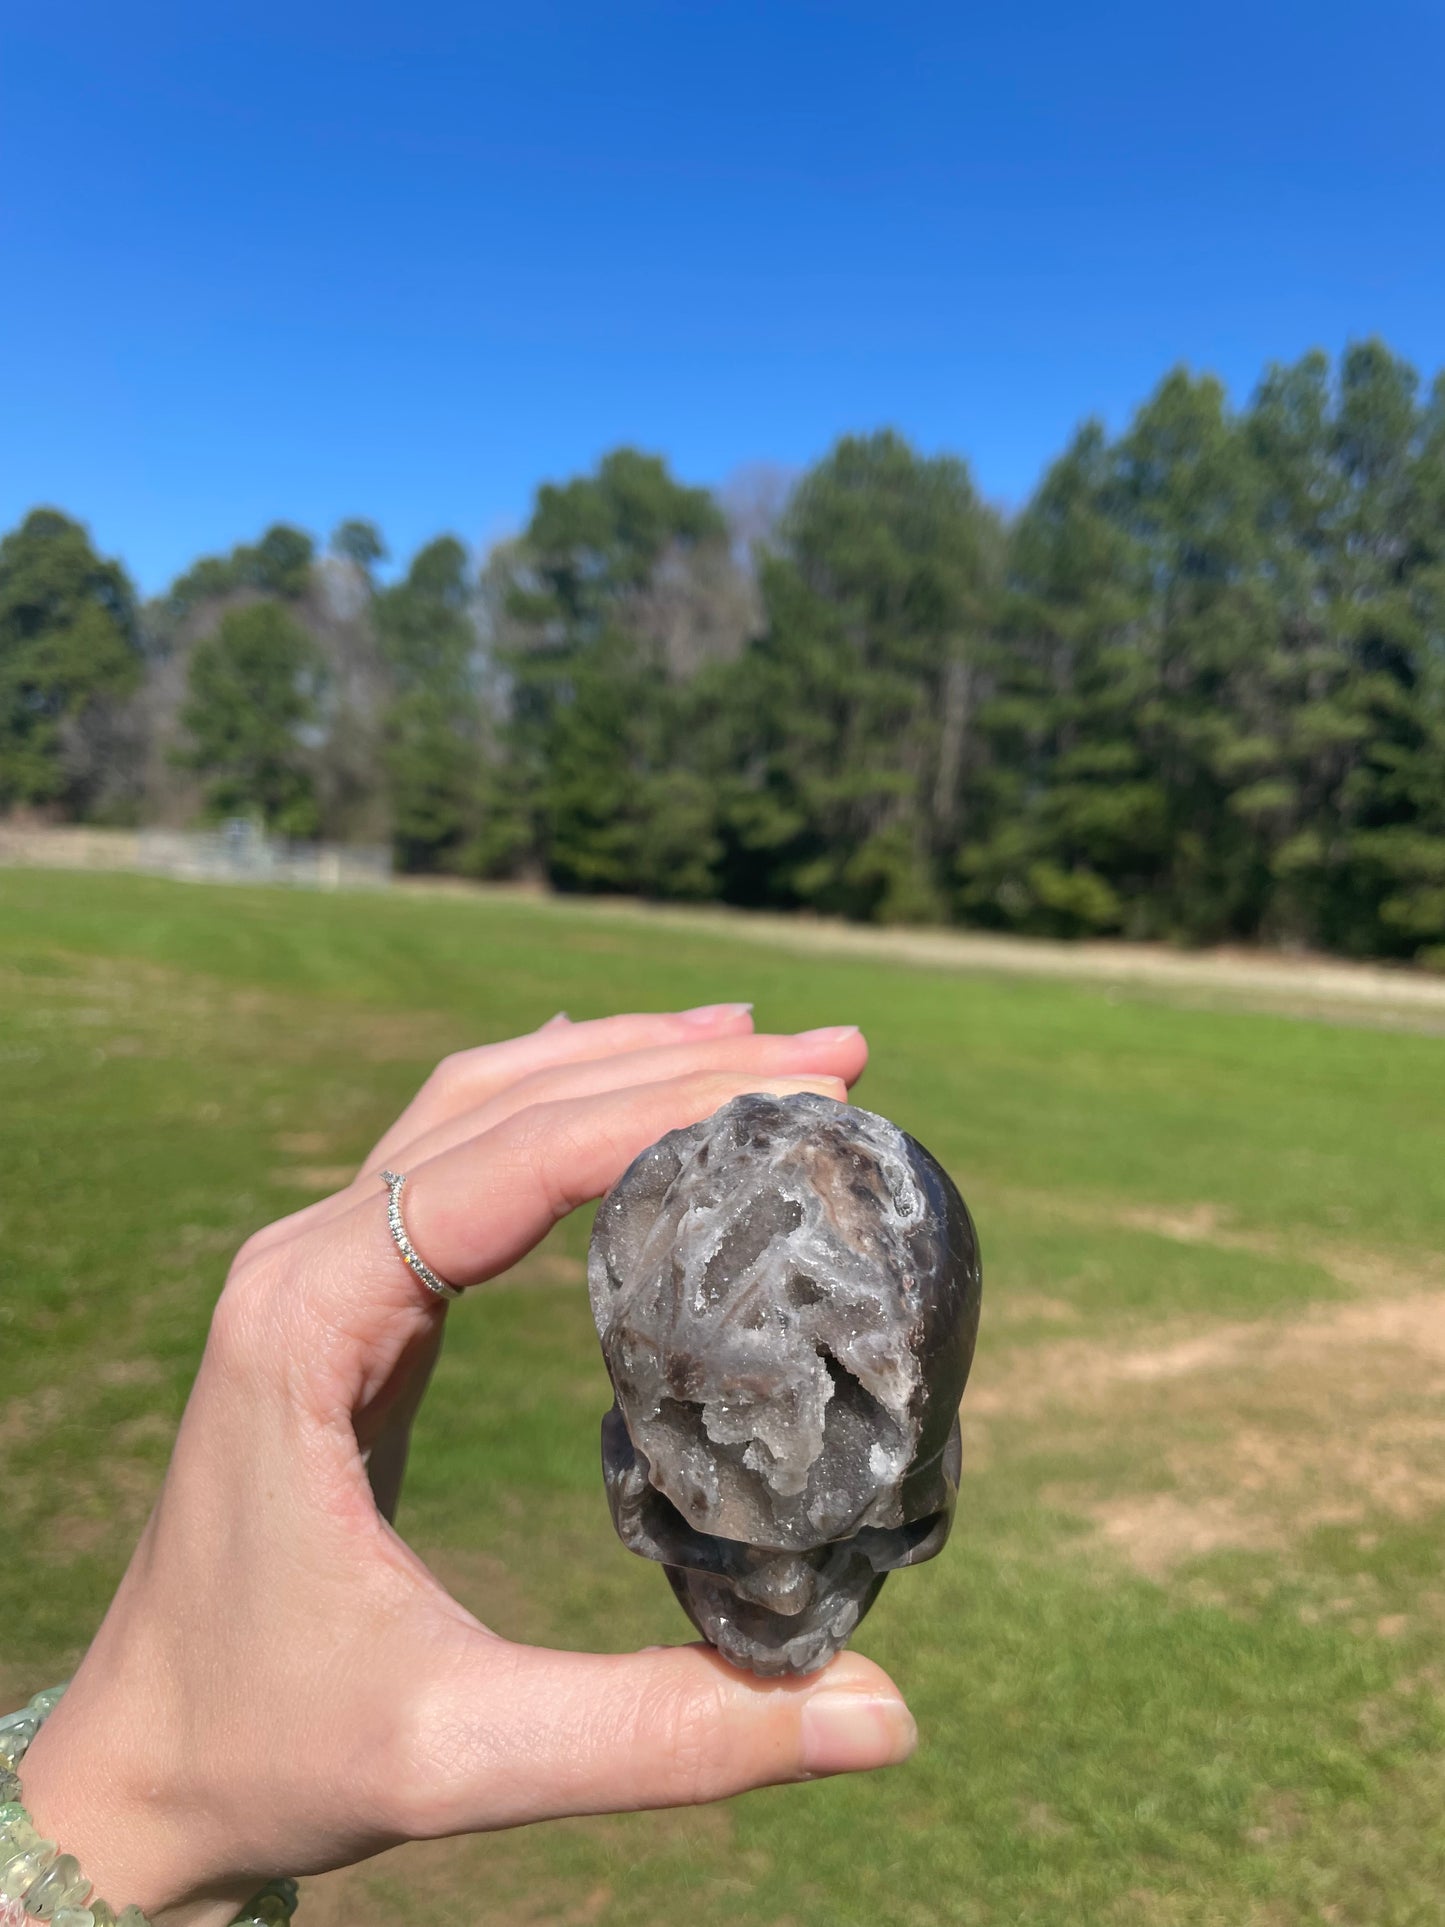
(1194, 689)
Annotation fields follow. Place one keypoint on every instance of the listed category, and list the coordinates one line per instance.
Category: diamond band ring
(395, 1183)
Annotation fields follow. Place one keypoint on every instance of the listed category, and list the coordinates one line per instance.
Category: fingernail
(829, 1034)
(553, 1022)
(714, 1013)
(849, 1732)
(795, 1086)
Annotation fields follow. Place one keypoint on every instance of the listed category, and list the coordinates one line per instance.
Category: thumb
(535, 1735)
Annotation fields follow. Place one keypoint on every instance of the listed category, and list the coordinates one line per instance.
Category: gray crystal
(787, 1296)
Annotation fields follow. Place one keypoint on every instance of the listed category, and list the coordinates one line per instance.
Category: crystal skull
(787, 1296)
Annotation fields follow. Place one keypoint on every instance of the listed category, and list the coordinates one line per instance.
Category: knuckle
(243, 1316)
(400, 1784)
(547, 1147)
(258, 1317)
(451, 1071)
(526, 1130)
(252, 1251)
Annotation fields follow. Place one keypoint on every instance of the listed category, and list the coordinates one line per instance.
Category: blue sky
(406, 261)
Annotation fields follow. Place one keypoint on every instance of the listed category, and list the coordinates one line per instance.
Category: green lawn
(1180, 1662)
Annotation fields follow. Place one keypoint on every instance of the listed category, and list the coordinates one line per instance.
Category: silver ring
(395, 1184)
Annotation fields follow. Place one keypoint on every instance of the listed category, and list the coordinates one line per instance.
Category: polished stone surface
(787, 1296)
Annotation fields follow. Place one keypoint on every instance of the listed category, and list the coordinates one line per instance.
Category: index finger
(469, 1078)
(471, 1212)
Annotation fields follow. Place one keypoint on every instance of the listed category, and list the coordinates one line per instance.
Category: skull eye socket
(860, 1432)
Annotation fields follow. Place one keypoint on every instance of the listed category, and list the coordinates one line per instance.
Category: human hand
(280, 1685)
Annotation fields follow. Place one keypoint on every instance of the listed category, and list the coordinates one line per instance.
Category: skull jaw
(767, 1609)
(773, 1644)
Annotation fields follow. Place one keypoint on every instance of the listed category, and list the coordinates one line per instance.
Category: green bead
(46, 1702)
(73, 1917)
(102, 1913)
(13, 1745)
(132, 1917)
(271, 1909)
(25, 1721)
(61, 1885)
(22, 1870)
(17, 1829)
(9, 1786)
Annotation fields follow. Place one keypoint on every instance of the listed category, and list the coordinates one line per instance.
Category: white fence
(238, 852)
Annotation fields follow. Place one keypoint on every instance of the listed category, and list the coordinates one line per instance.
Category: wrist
(94, 1787)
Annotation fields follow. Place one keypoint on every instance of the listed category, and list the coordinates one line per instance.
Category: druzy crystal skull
(787, 1296)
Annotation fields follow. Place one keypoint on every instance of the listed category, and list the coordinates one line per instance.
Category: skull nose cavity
(784, 1582)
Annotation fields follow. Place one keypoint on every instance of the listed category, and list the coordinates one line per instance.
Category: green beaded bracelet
(39, 1883)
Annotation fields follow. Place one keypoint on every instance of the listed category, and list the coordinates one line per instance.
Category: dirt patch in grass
(1079, 1370)
(28, 1413)
(129, 1371)
(1156, 1531)
(1359, 1267)
(1248, 1436)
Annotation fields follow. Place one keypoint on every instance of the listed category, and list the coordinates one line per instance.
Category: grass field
(1181, 1663)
